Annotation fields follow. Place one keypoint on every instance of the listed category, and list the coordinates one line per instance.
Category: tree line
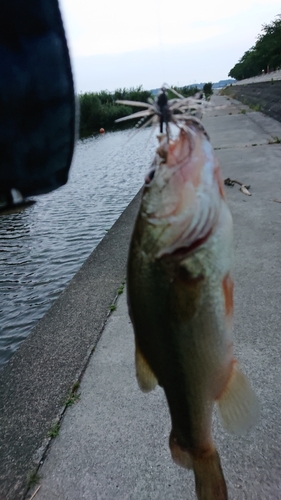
(264, 56)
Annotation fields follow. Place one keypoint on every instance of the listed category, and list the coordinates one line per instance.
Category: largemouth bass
(180, 297)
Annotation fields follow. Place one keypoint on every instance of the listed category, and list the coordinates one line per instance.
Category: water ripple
(42, 247)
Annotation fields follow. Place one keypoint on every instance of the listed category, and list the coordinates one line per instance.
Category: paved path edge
(35, 383)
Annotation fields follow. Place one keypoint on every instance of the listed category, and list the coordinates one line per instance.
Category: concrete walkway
(113, 443)
(267, 77)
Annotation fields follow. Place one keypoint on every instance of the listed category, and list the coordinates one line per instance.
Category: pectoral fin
(238, 405)
(145, 377)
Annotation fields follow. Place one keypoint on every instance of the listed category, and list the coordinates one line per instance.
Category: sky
(122, 43)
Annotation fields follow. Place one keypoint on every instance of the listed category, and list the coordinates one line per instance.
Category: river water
(42, 247)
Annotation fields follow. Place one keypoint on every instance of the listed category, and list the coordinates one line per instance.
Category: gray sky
(122, 43)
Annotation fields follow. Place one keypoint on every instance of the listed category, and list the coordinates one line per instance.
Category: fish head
(184, 192)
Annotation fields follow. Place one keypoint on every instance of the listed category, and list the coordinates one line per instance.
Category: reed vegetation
(99, 109)
(186, 91)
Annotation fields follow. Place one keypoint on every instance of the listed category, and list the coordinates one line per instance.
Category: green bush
(207, 89)
(99, 109)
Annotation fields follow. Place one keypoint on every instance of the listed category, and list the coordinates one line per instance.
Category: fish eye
(149, 176)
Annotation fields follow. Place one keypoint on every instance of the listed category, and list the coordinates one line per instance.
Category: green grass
(275, 140)
(72, 399)
(120, 290)
(54, 431)
(73, 396)
(112, 307)
(227, 91)
(243, 111)
(255, 107)
(33, 478)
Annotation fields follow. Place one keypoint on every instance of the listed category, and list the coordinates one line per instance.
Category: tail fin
(238, 404)
(145, 377)
(209, 480)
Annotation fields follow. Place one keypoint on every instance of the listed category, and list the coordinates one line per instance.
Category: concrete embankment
(266, 77)
(260, 96)
(35, 384)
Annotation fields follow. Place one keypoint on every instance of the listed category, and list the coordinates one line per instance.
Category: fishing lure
(162, 110)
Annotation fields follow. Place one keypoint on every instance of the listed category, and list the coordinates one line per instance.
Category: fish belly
(179, 335)
(178, 309)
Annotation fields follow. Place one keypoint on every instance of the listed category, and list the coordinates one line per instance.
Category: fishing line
(160, 49)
